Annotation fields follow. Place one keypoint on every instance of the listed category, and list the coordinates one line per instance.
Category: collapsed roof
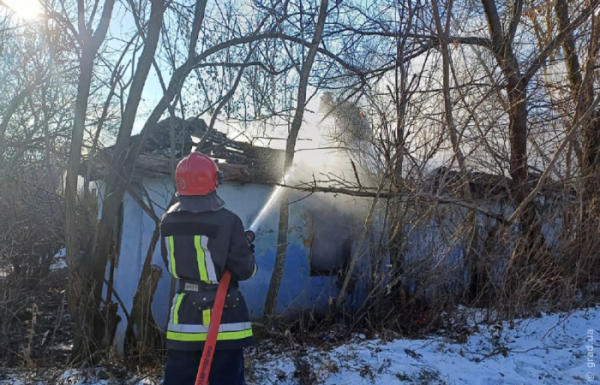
(241, 162)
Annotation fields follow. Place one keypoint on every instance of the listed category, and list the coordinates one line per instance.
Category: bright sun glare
(24, 9)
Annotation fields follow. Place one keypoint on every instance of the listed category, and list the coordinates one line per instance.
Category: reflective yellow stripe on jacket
(175, 309)
(206, 268)
(206, 317)
(201, 337)
(198, 333)
(171, 252)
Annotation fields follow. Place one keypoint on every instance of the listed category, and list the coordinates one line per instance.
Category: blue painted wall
(299, 291)
(434, 249)
(435, 245)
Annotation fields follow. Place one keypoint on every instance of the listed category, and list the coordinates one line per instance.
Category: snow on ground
(59, 260)
(553, 349)
(549, 350)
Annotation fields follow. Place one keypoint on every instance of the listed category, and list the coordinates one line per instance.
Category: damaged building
(321, 235)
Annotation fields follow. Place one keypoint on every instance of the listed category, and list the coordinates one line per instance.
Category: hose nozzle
(250, 236)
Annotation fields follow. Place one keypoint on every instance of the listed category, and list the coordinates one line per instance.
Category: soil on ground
(35, 327)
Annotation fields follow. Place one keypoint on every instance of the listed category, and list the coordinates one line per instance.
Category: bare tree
(517, 83)
(275, 283)
(583, 93)
(89, 42)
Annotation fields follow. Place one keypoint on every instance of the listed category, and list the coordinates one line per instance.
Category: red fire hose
(213, 330)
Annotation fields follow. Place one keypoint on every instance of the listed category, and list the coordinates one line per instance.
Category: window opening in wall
(331, 246)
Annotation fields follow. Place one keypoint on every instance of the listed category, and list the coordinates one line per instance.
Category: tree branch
(245, 65)
(83, 32)
(104, 22)
(553, 45)
(366, 192)
(561, 7)
(494, 25)
(198, 20)
(472, 40)
(227, 97)
(514, 21)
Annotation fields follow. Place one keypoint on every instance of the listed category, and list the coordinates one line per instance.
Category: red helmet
(196, 174)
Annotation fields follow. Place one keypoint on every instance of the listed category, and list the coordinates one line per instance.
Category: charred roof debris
(241, 162)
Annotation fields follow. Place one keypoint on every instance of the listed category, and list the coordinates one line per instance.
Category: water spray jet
(266, 209)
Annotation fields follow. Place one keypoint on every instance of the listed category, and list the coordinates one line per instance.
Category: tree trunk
(401, 99)
(277, 275)
(149, 338)
(530, 254)
(78, 265)
(98, 249)
(116, 181)
(582, 90)
(531, 242)
(84, 310)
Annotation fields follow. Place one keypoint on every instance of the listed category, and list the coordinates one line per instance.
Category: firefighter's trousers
(227, 367)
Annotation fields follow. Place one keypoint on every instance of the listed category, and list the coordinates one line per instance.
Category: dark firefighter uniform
(200, 239)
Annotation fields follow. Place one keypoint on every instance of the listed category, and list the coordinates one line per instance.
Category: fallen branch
(366, 192)
(500, 350)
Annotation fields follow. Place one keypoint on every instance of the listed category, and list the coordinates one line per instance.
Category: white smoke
(339, 149)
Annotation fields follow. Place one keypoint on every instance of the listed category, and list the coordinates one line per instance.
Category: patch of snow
(60, 264)
(63, 347)
(15, 381)
(148, 381)
(551, 350)
(60, 261)
(554, 349)
(96, 376)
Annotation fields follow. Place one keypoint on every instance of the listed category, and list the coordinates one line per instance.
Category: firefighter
(200, 239)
